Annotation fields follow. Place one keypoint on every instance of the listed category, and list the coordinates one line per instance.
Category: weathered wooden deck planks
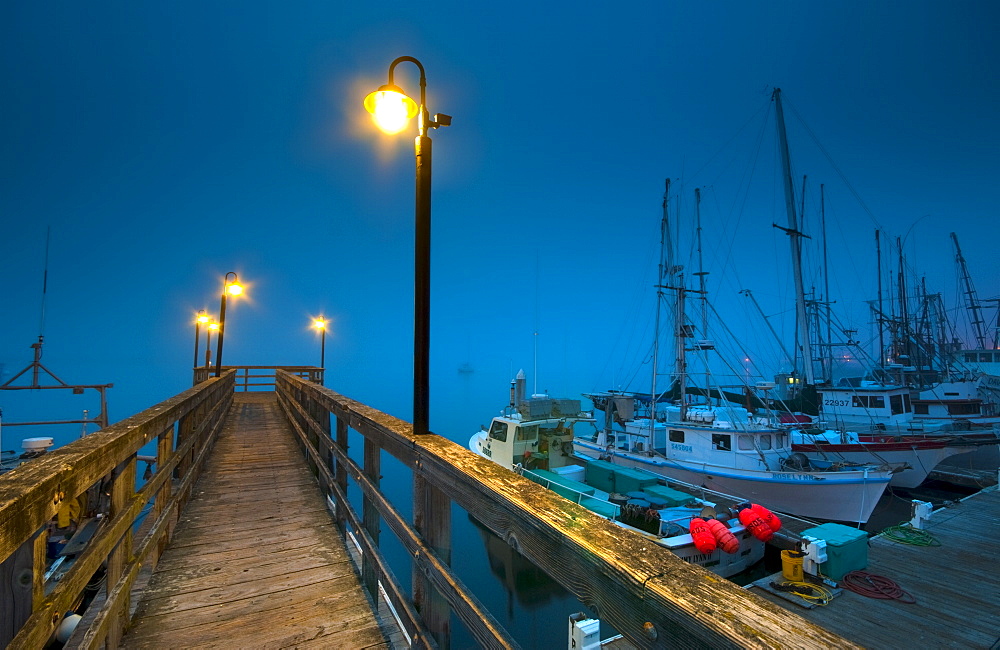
(956, 586)
(256, 561)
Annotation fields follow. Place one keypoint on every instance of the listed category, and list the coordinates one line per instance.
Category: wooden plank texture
(956, 586)
(255, 560)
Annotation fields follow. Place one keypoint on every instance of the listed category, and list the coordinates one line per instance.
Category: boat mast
(701, 273)
(795, 239)
(665, 267)
(828, 357)
(971, 299)
(881, 307)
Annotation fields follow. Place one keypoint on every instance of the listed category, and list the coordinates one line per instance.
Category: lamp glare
(234, 289)
(391, 110)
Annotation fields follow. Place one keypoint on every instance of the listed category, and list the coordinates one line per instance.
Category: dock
(256, 543)
(955, 585)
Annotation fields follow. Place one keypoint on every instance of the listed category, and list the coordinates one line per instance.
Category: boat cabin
(869, 404)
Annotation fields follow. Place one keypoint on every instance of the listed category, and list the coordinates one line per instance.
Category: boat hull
(836, 496)
(916, 459)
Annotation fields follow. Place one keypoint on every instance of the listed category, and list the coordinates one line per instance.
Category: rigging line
(829, 159)
(764, 106)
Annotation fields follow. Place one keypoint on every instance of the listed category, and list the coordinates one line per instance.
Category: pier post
(432, 519)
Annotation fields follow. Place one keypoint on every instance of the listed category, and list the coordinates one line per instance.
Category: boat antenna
(534, 371)
(45, 283)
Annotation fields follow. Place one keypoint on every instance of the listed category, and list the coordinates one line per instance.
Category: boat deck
(256, 560)
(956, 586)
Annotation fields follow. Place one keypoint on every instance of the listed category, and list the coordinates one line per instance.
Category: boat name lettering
(488, 452)
(680, 447)
(790, 476)
(835, 402)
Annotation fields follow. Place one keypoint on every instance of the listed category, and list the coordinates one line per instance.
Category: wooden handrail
(30, 495)
(244, 375)
(648, 594)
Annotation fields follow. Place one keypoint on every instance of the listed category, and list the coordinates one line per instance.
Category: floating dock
(955, 585)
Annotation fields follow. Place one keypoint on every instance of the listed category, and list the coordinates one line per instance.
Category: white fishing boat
(912, 457)
(535, 438)
(743, 451)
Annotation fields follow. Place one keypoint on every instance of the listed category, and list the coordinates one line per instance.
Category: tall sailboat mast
(794, 236)
(665, 268)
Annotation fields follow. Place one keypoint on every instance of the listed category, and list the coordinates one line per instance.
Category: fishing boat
(729, 440)
(911, 457)
(534, 437)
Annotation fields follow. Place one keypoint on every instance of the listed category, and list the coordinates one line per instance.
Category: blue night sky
(168, 143)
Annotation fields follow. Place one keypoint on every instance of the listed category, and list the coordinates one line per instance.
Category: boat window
(920, 409)
(986, 356)
(745, 442)
(896, 402)
(722, 441)
(765, 441)
(498, 431)
(676, 436)
(963, 409)
(779, 441)
(868, 401)
(970, 356)
(529, 432)
(906, 403)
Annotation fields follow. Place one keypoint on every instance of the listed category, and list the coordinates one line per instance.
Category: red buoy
(727, 541)
(756, 525)
(769, 517)
(703, 538)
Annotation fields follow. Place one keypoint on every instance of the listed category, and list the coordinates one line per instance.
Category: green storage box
(673, 497)
(846, 549)
(564, 487)
(600, 507)
(632, 480)
(601, 474)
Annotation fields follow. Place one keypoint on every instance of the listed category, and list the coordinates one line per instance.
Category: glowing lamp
(391, 109)
(234, 289)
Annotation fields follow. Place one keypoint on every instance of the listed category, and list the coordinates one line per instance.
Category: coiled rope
(818, 594)
(871, 585)
(905, 533)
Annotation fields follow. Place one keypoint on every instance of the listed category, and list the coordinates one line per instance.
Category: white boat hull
(837, 496)
(916, 463)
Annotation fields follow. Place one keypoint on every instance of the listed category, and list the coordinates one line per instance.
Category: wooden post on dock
(432, 519)
(341, 473)
(17, 587)
(122, 489)
(370, 517)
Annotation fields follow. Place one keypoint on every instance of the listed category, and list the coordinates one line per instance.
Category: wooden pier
(255, 547)
(956, 586)
(243, 551)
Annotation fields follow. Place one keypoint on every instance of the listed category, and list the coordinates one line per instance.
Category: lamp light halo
(372, 99)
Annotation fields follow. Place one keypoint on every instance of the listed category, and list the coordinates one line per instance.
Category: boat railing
(577, 496)
(183, 429)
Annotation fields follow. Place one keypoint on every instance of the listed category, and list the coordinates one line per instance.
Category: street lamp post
(233, 288)
(392, 109)
(320, 324)
(212, 327)
(199, 319)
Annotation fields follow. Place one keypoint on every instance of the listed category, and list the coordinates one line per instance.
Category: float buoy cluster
(761, 522)
(711, 534)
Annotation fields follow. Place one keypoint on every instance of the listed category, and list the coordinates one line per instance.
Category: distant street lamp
(233, 288)
(199, 320)
(391, 110)
(320, 324)
(212, 327)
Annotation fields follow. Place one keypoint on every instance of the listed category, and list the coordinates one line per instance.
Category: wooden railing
(645, 592)
(259, 378)
(184, 428)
